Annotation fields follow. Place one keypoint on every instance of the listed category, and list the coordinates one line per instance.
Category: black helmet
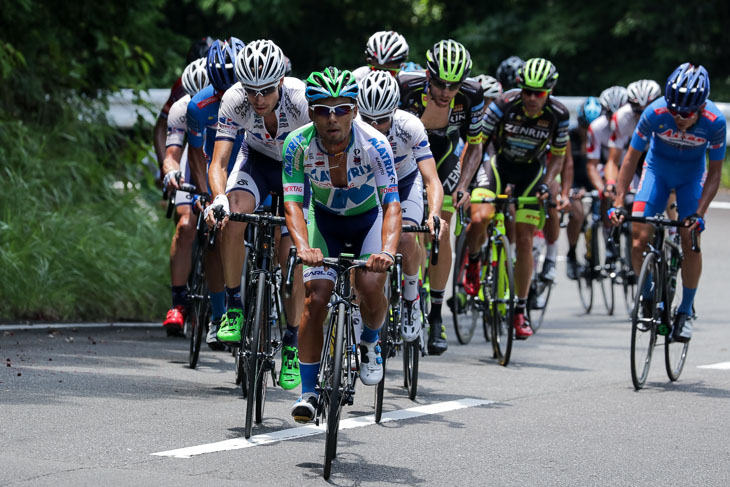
(507, 72)
(199, 48)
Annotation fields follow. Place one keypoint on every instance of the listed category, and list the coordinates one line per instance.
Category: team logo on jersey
(683, 138)
(543, 123)
(293, 153)
(533, 132)
(458, 108)
(356, 161)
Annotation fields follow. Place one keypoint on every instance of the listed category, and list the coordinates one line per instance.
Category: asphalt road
(92, 406)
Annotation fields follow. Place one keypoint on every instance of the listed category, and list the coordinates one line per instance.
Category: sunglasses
(636, 108)
(338, 110)
(535, 93)
(376, 121)
(445, 86)
(265, 91)
(682, 115)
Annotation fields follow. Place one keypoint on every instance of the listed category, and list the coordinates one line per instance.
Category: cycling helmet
(643, 92)
(195, 76)
(449, 61)
(221, 61)
(199, 48)
(537, 74)
(492, 88)
(260, 63)
(287, 71)
(588, 111)
(687, 88)
(507, 72)
(330, 83)
(613, 98)
(386, 47)
(379, 94)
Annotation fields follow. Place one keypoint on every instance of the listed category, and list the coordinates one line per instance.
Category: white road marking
(57, 326)
(720, 205)
(292, 433)
(720, 366)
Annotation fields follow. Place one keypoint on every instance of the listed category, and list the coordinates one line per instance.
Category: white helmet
(195, 76)
(492, 88)
(260, 63)
(643, 92)
(379, 94)
(386, 47)
(613, 98)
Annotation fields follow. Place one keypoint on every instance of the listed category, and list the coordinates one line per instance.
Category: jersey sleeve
(491, 119)
(196, 125)
(232, 110)
(292, 173)
(643, 131)
(386, 179)
(593, 146)
(559, 143)
(718, 140)
(419, 140)
(476, 117)
(176, 124)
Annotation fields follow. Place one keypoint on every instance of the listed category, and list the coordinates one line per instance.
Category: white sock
(410, 287)
(552, 251)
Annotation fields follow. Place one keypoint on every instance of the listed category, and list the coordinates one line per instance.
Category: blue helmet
(221, 62)
(687, 88)
(589, 111)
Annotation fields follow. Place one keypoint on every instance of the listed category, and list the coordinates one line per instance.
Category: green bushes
(71, 246)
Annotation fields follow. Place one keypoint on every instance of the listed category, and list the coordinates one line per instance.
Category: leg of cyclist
(575, 222)
(411, 252)
(293, 305)
(181, 250)
(438, 277)
(481, 214)
(552, 232)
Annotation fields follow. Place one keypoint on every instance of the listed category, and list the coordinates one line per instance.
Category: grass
(726, 173)
(71, 246)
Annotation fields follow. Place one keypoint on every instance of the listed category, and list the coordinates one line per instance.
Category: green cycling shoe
(230, 329)
(289, 377)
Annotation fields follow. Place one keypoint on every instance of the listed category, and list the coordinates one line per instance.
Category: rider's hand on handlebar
(616, 214)
(173, 180)
(464, 201)
(311, 257)
(379, 262)
(695, 223)
(443, 226)
(563, 202)
(543, 191)
(218, 208)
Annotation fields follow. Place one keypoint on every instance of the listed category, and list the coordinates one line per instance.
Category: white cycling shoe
(371, 363)
(411, 329)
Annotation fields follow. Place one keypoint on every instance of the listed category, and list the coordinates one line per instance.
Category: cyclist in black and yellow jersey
(450, 105)
(523, 125)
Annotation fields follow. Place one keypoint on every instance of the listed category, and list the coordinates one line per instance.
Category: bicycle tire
(262, 375)
(643, 328)
(334, 405)
(502, 302)
(198, 311)
(628, 277)
(585, 278)
(536, 323)
(380, 387)
(675, 353)
(411, 357)
(254, 360)
(461, 309)
(599, 251)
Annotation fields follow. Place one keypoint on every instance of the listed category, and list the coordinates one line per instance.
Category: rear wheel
(501, 301)
(198, 310)
(644, 323)
(464, 313)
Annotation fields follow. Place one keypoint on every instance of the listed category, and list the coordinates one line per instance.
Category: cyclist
(385, 51)
(523, 125)
(176, 170)
(377, 105)
(450, 106)
(355, 209)
(202, 118)
(681, 128)
(577, 159)
(198, 49)
(268, 106)
(507, 72)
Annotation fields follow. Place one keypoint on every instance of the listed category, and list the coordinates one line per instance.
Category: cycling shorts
(334, 234)
(410, 191)
(659, 178)
(494, 177)
(448, 165)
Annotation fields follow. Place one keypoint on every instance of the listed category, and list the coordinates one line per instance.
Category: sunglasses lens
(342, 110)
(321, 111)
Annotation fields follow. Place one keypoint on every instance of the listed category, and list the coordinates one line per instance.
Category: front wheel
(501, 299)
(411, 355)
(332, 385)
(644, 322)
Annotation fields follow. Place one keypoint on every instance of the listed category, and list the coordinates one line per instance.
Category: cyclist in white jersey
(355, 209)
(377, 104)
(385, 51)
(268, 106)
(176, 171)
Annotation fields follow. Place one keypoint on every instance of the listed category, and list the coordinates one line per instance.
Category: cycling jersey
(202, 120)
(676, 160)
(520, 139)
(623, 123)
(371, 177)
(236, 113)
(599, 132)
(580, 160)
(176, 129)
(176, 92)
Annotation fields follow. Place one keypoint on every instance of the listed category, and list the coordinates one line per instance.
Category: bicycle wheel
(199, 309)
(501, 300)
(675, 353)
(462, 309)
(585, 273)
(411, 356)
(643, 324)
(628, 277)
(539, 304)
(264, 364)
(253, 358)
(334, 397)
(600, 274)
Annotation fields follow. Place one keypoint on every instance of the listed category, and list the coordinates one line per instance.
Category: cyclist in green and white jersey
(355, 209)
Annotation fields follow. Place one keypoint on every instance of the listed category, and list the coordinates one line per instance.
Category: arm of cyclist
(625, 175)
(297, 227)
(217, 177)
(434, 192)
(171, 167)
(472, 159)
(611, 169)
(709, 190)
(594, 176)
(566, 180)
(159, 135)
(390, 235)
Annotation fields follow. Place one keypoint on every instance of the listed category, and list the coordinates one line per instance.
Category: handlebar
(659, 221)
(425, 229)
(344, 261)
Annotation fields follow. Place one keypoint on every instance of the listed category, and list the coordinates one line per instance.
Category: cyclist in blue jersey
(681, 128)
(202, 119)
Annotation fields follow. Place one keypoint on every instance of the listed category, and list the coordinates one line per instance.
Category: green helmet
(537, 74)
(330, 83)
(449, 60)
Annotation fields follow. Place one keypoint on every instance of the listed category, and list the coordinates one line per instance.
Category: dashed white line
(720, 366)
(292, 433)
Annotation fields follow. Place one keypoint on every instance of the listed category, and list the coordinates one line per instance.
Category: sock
(410, 288)
(217, 305)
(369, 335)
(688, 297)
(179, 295)
(571, 251)
(521, 305)
(308, 373)
(552, 251)
(291, 336)
(234, 297)
(648, 291)
(437, 299)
